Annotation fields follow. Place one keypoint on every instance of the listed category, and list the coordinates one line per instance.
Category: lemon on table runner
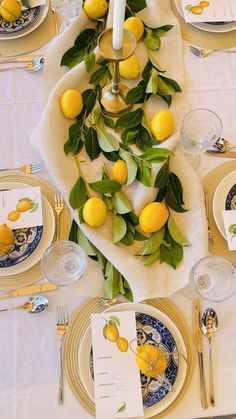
(135, 26)
(95, 9)
(94, 212)
(129, 69)
(162, 124)
(71, 103)
(10, 10)
(153, 217)
(119, 171)
(151, 360)
(6, 238)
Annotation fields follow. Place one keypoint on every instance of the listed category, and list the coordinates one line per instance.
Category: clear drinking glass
(212, 278)
(68, 9)
(200, 129)
(64, 262)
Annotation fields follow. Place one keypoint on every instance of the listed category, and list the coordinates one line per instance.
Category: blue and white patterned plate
(152, 331)
(27, 17)
(26, 241)
(230, 202)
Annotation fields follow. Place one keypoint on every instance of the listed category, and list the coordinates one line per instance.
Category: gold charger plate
(34, 274)
(79, 324)
(210, 183)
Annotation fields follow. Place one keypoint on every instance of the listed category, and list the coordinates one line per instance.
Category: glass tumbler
(64, 262)
(200, 129)
(212, 278)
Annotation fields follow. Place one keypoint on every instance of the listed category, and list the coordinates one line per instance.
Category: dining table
(29, 344)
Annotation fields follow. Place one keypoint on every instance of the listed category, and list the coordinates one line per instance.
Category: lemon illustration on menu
(111, 333)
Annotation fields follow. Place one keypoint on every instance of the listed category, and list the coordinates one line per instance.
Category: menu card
(21, 208)
(209, 11)
(29, 4)
(229, 217)
(117, 383)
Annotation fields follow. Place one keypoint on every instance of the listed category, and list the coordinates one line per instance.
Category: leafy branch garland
(92, 129)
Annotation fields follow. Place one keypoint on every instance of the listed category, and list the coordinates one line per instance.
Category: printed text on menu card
(209, 11)
(116, 376)
(21, 208)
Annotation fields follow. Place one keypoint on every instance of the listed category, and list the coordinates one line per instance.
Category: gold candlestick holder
(114, 94)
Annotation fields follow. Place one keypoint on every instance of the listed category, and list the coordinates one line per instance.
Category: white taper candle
(118, 23)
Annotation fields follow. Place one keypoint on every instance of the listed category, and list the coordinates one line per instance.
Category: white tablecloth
(29, 345)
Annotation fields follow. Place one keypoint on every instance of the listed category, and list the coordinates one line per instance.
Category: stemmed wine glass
(64, 262)
(212, 278)
(200, 129)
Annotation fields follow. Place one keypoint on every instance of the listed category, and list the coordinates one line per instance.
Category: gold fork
(53, 9)
(26, 168)
(61, 329)
(59, 206)
(202, 53)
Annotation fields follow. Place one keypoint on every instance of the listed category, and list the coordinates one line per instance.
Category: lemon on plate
(94, 212)
(119, 171)
(10, 10)
(95, 9)
(6, 238)
(71, 103)
(135, 26)
(162, 124)
(129, 69)
(151, 360)
(153, 217)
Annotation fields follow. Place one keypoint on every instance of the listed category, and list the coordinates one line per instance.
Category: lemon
(6, 238)
(119, 171)
(23, 205)
(71, 103)
(122, 344)
(135, 26)
(162, 124)
(10, 10)
(111, 332)
(196, 10)
(153, 217)
(94, 212)
(129, 69)
(95, 9)
(13, 215)
(151, 360)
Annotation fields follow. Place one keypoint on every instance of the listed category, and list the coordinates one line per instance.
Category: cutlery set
(205, 324)
(32, 62)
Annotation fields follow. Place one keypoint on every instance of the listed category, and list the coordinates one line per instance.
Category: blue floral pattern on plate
(154, 332)
(27, 17)
(26, 241)
(230, 203)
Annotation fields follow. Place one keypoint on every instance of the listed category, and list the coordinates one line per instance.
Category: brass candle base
(114, 94)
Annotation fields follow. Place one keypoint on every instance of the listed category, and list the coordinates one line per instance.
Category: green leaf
(119, 228)
(166, 256)
(152, 258)
(171, 82)
(128, 239)
(136, 94)
(156, 155)
(111, 156)
(109, 122)
(73, 232)
(75, 143)
(105, 186)
(144, 172)
(89, 99)
(96, 113)
(89, 59)
(155, 64)
(85, 38)
(151, 40)
(144, 141)
(161, 194)
(153, 243)
(91, 144)
(131, 218)
(136, 5)
(98, 75)
(177, 187)
(139, 237)
(130, 119)
(115, 319)
(85, 244)
(78, 194)
(175, 233)
(122, 408)
(153, 82)
(171, 199)
(72, 57)
(111, 285)
(121, 203)
(162, 177)
(147, 71)
(34, 207)
(164, 88)
(130, 135)
(131, 166)
(107, 141)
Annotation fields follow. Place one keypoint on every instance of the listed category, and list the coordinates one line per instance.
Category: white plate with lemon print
(28, 28)
(220, 27)
(44, 242)
(85, 358)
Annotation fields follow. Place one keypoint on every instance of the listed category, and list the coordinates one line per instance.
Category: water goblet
(64, 262)
(200, 129)
(212, 278)
(68, 9)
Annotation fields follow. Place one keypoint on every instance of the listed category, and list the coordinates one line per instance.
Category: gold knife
(228, 154)
(33, 289)
(20, 59)
(198, 342)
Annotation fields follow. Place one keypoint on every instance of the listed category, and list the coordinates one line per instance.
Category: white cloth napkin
(51, 133)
